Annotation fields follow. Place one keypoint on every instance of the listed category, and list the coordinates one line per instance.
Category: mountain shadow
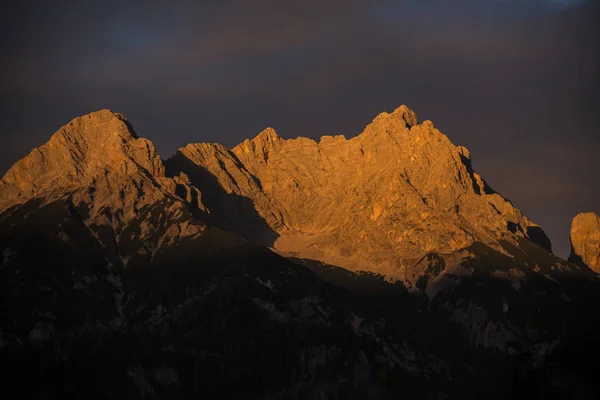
(539, 237)
(228, 211)
(361, 282)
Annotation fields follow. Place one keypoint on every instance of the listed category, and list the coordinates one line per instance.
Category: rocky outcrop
(380, 201)
(585, 240)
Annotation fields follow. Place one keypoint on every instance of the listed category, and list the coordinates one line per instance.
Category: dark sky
(515, 81)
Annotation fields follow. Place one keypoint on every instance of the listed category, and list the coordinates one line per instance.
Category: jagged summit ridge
(262, 145)
(381, 200)
(402, 113)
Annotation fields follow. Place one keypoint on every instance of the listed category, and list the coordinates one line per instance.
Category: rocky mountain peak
(267, 135)
(585, 240)
(406, 114)
(403, 115)
(261, 146)
(99, 169)
(90, 147)
(379, 201)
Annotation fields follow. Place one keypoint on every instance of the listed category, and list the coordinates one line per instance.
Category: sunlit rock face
(389, 200)
(98, 166)
(380, 201)
(95, 150)
(585, 240)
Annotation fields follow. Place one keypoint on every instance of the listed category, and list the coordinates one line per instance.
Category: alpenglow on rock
(380, 201)
(98, 166)
(585, 240)
(399, 199)
(92, 150)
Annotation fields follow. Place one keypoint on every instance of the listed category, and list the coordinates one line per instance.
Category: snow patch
(115, 280)
(355, 321)
(268, 284)
(277, 315)
(139, 376)
(8, 255)
(63, 236)
(166, 376)
(118, 298)
(125, 260)
(42, 332)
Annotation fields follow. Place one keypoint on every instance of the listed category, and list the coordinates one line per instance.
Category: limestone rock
(585, 240)
(89, 150)
(97, 165)
(380, 201)
(233, 198)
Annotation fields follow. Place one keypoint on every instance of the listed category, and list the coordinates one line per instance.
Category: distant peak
(262, 144)
(402, 113)
(268, 134)
(405, 113)
(88, 124)
(88, 147)
(102, 114)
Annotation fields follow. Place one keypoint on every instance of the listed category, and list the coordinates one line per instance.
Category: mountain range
(380, 266)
